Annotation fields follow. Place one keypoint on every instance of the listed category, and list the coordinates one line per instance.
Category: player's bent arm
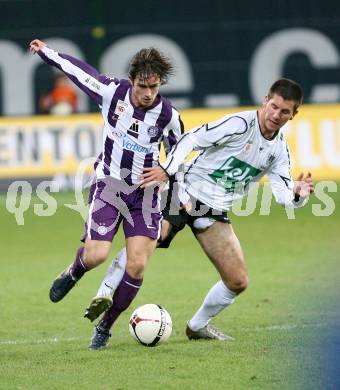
(178, 154)
(87, 78)
(208, 135)
(283, 191)
(286, 192)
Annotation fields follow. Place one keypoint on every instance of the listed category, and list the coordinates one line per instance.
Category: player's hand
(304, 186)
(187, 207)
(184, 201)
(36, 45)
(153, 176)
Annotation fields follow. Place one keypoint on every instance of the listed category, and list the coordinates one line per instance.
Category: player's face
(145, 91)
(276, 113)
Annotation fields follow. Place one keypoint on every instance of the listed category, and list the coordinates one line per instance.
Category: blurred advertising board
(44, 146)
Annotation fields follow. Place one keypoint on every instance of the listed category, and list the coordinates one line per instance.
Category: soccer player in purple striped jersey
(136, 120)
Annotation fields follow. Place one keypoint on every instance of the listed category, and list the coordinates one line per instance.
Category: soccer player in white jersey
(233, 151)
(136, 120)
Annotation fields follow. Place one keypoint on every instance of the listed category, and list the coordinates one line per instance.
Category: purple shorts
(113, 201)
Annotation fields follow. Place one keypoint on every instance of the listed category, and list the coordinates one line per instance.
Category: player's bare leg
(138, 251)
(90, 255)
(221, 245)
(166, 227)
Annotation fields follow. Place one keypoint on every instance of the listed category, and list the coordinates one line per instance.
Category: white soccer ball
(150, 325)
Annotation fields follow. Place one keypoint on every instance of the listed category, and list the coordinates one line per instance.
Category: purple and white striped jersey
(131, 136)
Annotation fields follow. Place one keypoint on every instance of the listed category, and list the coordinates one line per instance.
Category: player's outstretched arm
(36, 45)
(85, 76)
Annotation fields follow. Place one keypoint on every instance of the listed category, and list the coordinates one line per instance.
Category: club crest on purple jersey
(121, 108)
(118, 133)
(153, 131)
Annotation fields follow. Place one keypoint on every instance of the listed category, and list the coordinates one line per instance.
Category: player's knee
(136, 263)
(238, 284)
(95, 256)
(136, 270)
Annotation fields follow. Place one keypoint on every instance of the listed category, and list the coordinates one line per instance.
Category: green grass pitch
(284, 325)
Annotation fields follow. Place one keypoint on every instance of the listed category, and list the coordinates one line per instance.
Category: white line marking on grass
(271, 328)
(51, 340)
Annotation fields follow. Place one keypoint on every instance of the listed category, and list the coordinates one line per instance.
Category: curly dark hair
(150, 61)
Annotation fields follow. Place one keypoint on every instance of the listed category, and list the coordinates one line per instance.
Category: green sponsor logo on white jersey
(234, 173)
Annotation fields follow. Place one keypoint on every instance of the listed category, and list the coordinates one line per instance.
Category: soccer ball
(150, 325)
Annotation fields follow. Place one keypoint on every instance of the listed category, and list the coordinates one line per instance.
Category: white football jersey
(233, 153)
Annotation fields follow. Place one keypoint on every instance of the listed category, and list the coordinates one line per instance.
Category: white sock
(113, 275)
(217, 299)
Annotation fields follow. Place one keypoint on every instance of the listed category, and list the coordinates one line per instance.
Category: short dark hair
(150, 61)
(288, 90)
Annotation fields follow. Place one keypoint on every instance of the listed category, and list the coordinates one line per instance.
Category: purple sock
(123, 296)
(78, 267)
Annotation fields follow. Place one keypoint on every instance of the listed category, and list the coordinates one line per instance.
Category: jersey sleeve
(173, 131)
(211, 134)
(86, 77)
(172, 134)
(282, 183)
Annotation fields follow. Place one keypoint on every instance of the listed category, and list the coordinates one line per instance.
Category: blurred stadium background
(226, 55)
